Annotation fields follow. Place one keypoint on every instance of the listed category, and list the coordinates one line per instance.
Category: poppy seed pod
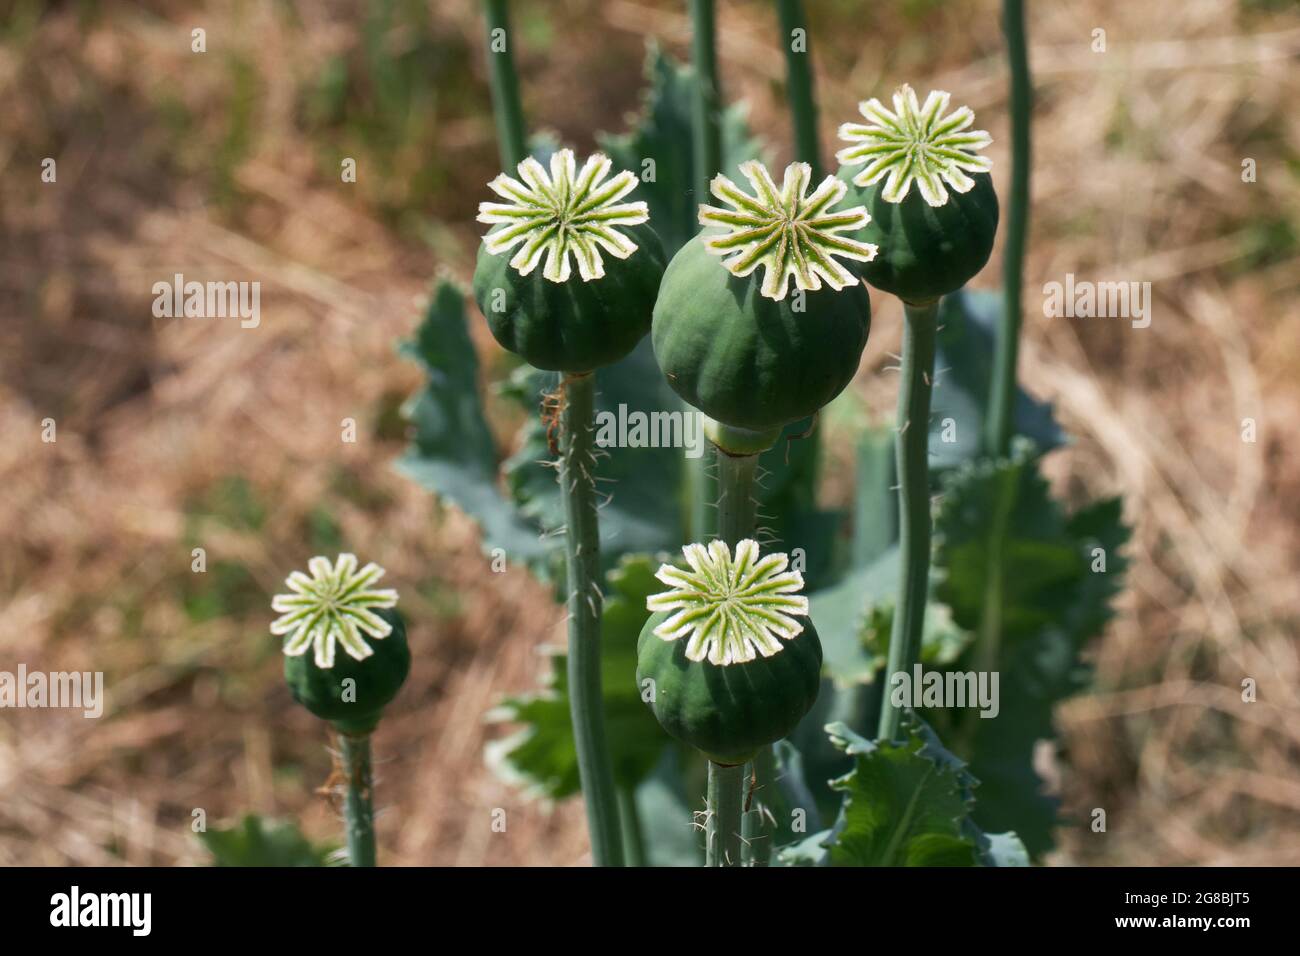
(933, 210)
(731, 656)
(553, 315)
(730, 338)
(345, 647)
(353, 693)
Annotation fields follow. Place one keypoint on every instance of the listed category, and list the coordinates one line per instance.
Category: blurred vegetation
(157, 146)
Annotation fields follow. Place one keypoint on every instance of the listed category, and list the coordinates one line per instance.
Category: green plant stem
(757, 828)
(706, 126)
(737, 507)
(358, 809)
(506, 107)
(1000, 422)
(582, 564)
(702, 490)
(1000, 425)
(723, 829)
(799, 85)
(737, 516)
(630, 821)
(911, 450)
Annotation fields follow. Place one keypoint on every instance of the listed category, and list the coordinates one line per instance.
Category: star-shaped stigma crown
(566, 211)
(915, 142)
(334, 604)
(791, 234)
(730, 609)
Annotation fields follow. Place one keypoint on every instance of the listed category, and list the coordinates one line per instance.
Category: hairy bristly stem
(358, 809)
(582, 564)
(723, 828)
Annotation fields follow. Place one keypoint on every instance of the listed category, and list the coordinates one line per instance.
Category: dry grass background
(173, 434)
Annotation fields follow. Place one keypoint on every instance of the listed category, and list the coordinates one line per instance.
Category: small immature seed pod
(935, 237)
(734, 661)
(553, 319)
(730, 338)
(353, 708)
(333, 608)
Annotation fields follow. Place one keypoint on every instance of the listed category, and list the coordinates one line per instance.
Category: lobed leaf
(997, 517)
(905, 804)
(901, 808)
(452, 452)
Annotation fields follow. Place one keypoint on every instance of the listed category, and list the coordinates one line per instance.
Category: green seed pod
(729, 713)
(573, 326)
(733, 660)
(935, 237)
(928, 251)
(353, 708)
(551, 318)
(749, 361)
(325, 620)
(726, 335)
